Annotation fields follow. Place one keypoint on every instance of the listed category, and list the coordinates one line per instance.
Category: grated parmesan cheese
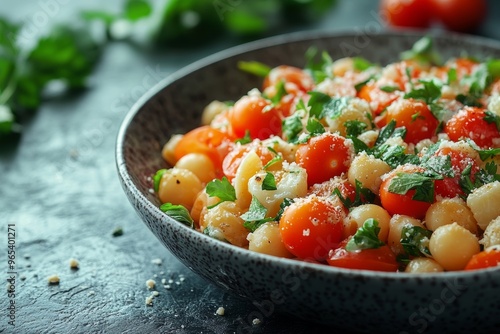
(53, 279)
(220, 311)
(150, 284)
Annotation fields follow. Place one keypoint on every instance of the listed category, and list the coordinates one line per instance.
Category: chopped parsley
(366, 237)
(491, 117)
(422, 51)
(362, 196)
(254, 67)
(223, 189)
(178, 212)
(276, 158)
(255, 216)
(319, 69)
(269, 182)
(415, 240)
(422, 184)
(292, 127)
(157, 178)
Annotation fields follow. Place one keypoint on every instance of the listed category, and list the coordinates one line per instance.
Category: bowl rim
(276, 41)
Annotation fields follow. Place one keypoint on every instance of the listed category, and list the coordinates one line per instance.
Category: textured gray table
(59, 189)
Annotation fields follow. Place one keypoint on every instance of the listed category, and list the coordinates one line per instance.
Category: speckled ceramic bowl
(356, 300)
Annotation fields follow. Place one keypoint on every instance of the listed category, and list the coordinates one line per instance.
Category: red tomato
(398, 203)
(289, 74)
(415, 116)
(311, 227)
(207, 140)
(233, 159)
(377, 259)
(450, 186)
(288, 100)
(378, 99)
(470, 123)
(406, 13)
(460, 15)
(256, 115)
(324, 157)
(485, 259)
(327, 188)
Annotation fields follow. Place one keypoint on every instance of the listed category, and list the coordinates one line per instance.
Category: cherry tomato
(324, 157)
(288, 100)
(399, 203)
(377, 259)
(233, 159)
(311, 227)
(470, 123)
(256, 115)
(207, 140)
(485, 259)
(450, 186)
(460, 15)
(415, 116)
(406, 13)
(289, 74)
(328, 188)
(378, 99)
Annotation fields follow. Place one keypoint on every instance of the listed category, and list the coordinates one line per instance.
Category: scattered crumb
(151, 190)
(155, 275)
(220, 311)
(163, 281)
(91, 293)
(155, 293)
(73, 263)
(53, 279)
(182, 326)
(162, 272)
(157, 261)
(182, 278)
(256, 321)
(168, 287)
(149, 300)
(22, 277)
(118, 231)
(170, 281)
(150, 284)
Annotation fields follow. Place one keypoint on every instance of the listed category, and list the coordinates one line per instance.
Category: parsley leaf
(314, 126)
(415, 240)
(254, 67)
(157, 178)
(430, 91)
(255, 216)
(389, 89)
(333, 109)
(362, 196)
(269, 182)
(422, 184)
(366, 237)
(491, 117)
(422, 51)
(223, 189)
(318, 69)
(317, 103)
(277, 157)
(354, 127)
(245, 140)
(361, 64)
(292, 127)
(179, 213)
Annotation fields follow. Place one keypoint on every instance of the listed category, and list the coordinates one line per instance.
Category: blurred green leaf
(137, 9)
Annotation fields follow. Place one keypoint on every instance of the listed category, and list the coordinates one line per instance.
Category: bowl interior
(175, 106)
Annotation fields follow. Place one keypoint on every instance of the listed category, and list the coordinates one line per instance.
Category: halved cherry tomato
(256, 115)
(450, 186)
(207, 140)
(311, 227)
(470, 123)
(377, 259)
(485, 259)
(415, 116)
(328, 188)
(289, 74)
(398, 203)
(324, 157)
(233, 159)
(378, 99)
(460, 15)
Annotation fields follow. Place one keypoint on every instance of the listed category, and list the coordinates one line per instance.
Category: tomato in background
(470, 123)
(376, 259)
(324, 157)
(460, 15)
(406, 13)
(289, 74)
(311, 227)
(256, 115)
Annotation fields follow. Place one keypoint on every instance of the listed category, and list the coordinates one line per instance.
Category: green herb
(178, 212)
(255, 216)
(214, 233)
(314, 127)
(317, 103)
(269, 182)
(222, 189)
(286, 202)
(245, 140)
(354, 128)
(469, 182)
(452, 76)
(366, 237)
(318, 69)
(493, 66)
(390, 131)
(362, 196)
(389, 89)
(415, 240)
(361, 64)
(276, 158)
(117, 232)
(422, 184)
(292, 127)
(478, 81)
(334, 108)
(157, 178)
(254, 67)
(422, 51)
(363, 83)
(430, 92)
(489, 153)
(491, 117)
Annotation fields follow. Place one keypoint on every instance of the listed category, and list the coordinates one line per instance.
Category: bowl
(357, 300)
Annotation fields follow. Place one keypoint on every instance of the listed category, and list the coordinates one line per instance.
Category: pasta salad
(350, 164)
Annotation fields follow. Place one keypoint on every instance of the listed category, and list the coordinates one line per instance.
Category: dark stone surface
(58, 185)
